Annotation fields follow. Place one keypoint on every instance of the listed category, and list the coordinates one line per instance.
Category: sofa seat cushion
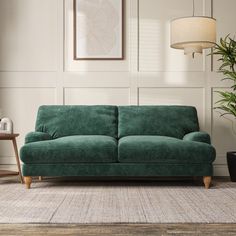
(161, 149)
(71, 149)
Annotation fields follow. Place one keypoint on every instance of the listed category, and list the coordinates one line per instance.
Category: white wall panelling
(171, 79)
(28, 79)
(223, 131)
(96, 79)
(224, 12)
(28, 35)
(155, 52)
(223, 137)
(91, 96)
(37, 66)
(21, 105)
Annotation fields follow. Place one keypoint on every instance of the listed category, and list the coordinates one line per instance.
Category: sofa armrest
(37, 136)
(198, 137)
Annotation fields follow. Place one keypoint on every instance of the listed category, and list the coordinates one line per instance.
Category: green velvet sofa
(111, 141)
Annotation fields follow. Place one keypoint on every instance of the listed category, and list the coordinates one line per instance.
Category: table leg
(17, 159)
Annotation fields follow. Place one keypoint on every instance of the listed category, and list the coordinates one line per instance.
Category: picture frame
(98, 29)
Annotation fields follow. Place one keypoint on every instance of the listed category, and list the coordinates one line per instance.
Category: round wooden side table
(3, 173)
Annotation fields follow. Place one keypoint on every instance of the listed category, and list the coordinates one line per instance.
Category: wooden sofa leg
(207, 181)
(28, 181)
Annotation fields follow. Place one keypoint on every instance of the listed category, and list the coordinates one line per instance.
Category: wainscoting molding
(37, 66)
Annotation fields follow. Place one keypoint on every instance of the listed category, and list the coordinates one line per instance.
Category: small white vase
(6, 126)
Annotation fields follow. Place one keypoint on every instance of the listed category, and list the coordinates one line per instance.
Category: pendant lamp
(193, 33)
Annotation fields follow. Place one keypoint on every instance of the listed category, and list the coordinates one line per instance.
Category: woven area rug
(117, 202)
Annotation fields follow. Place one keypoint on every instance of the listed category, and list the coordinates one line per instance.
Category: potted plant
(226, 50)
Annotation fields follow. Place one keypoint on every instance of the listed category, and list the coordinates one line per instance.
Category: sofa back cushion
(172, 121)
(61, 120)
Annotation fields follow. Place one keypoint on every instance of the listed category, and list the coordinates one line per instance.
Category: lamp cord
(193, 54)
(193, 7)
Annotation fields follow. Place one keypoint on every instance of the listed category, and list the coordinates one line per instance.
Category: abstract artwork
(98, 29)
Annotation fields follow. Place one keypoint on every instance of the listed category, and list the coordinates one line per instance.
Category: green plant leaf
(226, 52)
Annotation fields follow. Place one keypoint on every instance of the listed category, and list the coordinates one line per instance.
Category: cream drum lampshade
(192, 34)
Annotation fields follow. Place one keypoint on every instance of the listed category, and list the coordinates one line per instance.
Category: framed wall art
(98, 29)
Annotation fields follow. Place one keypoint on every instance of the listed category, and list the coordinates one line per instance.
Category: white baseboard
(8, 167)
(221, 170)
(9, 160)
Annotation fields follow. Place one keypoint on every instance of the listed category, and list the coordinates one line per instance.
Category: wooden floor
(118, 229)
